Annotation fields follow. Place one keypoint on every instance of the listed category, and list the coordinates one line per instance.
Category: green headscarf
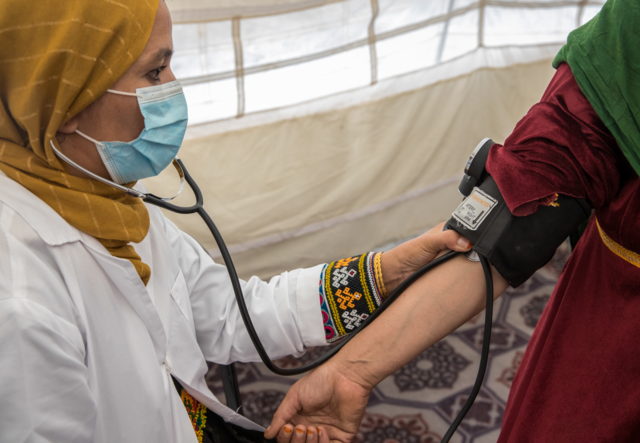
(604, 56)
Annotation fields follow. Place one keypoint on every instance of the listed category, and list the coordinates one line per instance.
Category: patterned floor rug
(418, 402)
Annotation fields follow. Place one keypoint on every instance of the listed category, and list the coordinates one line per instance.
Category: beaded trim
(350, 290)
(197, 413)
(619, 250)
(377, 265)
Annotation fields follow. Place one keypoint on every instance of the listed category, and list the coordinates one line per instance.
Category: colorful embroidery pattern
(327, 319)
(197, 413)
(350, 290)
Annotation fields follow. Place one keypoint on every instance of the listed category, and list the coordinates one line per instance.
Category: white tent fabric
(321, 129)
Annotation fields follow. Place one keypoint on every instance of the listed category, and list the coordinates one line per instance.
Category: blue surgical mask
(164, 108)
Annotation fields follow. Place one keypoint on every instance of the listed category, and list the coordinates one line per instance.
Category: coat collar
(55, 231)
(52, 228)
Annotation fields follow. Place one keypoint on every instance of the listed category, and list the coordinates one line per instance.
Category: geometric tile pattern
(435, 368)
(486, 412)
(378, 428)
(419, 401)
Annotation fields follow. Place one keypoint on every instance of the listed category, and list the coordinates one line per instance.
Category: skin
(114, 117)
(333, 398)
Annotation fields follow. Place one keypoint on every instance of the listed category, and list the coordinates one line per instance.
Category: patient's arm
(334, 396)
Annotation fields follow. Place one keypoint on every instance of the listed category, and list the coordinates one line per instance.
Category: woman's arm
(335, 395)
(285, 311)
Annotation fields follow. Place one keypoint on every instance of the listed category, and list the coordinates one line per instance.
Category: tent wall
(323, 184)
(243, 57)
(324, 128)
(198, 11)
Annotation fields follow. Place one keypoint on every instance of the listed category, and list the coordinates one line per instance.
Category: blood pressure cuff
(516, 246)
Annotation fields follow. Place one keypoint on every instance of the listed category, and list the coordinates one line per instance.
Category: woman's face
(114, 117)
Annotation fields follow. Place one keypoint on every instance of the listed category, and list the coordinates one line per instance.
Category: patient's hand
(326, 405)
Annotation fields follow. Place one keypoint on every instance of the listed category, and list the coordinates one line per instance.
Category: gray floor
(417, 403)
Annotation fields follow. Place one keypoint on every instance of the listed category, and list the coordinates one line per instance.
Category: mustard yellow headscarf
(56, 58)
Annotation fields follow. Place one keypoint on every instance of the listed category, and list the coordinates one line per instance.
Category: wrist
(358, 371)
(392, 270)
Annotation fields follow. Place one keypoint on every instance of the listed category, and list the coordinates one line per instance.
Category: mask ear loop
(130, 94)
(129, 191)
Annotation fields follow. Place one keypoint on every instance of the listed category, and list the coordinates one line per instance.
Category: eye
(155, 74)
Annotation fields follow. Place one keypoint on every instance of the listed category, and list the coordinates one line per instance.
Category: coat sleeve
(43, 377)
(285, 311)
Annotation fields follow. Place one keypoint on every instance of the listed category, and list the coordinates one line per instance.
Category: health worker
(108, 312)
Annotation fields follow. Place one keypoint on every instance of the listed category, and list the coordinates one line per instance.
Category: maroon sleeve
(560, 147)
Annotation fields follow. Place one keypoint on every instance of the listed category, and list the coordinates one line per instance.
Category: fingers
(277, 424)
(312, 435)
(286, 411)
(285, 434)
(272, 430)
(323, 435)
(456, 242)
(299, 434)
(449, 239)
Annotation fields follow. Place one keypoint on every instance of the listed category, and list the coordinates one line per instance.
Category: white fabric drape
(325, 128)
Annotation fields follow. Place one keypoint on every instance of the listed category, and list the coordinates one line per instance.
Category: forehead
(160, 43)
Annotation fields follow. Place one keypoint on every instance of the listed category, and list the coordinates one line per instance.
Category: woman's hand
(405, 259)
(326, 405)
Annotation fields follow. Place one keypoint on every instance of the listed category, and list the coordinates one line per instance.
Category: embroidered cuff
(350, 290)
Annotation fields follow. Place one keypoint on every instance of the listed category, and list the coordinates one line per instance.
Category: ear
(70, 126)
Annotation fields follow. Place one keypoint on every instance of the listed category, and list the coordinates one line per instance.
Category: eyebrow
(162, 53)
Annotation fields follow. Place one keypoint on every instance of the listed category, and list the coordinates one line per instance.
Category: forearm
(430, 309)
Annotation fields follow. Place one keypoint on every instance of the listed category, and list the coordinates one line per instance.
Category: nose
(169, 76)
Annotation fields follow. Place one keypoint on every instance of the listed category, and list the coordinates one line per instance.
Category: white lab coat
(86, 351)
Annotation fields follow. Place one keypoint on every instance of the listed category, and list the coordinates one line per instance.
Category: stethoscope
(198, 208)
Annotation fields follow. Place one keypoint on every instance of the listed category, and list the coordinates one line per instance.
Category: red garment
(579, 378)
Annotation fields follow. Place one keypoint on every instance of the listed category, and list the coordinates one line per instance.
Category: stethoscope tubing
(198, 208)
(484, 356)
